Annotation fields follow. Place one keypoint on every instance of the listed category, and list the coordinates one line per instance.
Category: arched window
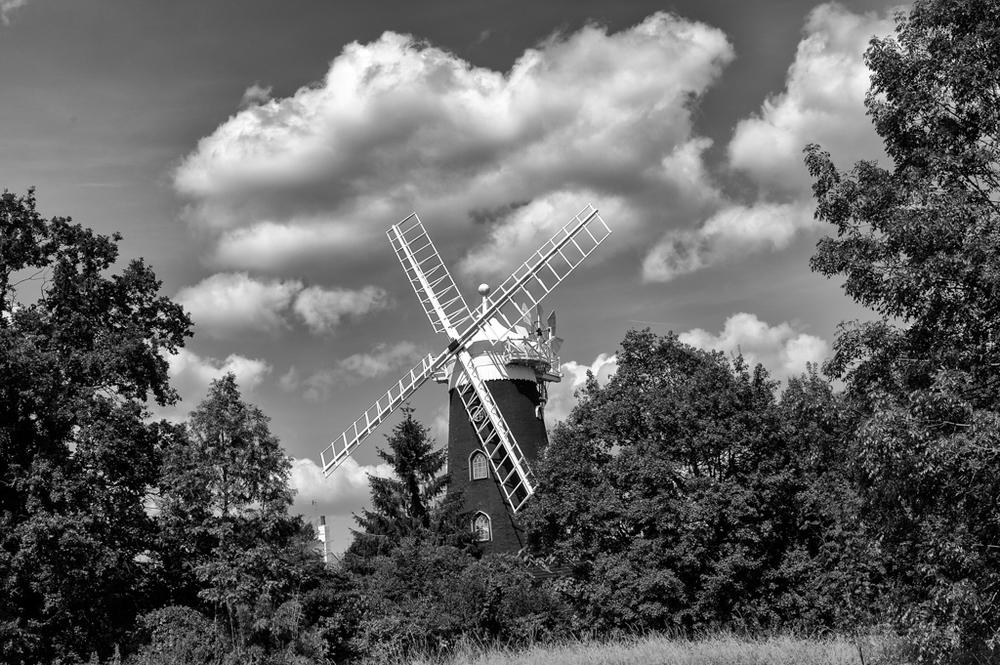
(482, 527)
(479, 466)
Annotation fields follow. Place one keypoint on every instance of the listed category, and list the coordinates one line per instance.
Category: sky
(254, 152)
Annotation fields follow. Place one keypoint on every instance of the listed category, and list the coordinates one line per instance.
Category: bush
(425, 598)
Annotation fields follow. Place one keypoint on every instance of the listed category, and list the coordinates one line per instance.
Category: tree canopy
(414, 503)
(81, 350)
(679, 492)
(920, 244)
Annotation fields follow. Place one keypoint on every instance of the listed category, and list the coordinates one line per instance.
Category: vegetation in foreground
(723, 649)
(687, 494)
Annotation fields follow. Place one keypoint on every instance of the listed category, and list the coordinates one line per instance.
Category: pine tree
(228, 545)
(416, 502)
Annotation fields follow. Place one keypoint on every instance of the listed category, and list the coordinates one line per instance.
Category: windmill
(498, 359)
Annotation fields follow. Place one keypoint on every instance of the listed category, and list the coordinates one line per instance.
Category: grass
(660, 650)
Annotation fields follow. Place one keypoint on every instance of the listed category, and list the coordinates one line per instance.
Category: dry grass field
(716, 650)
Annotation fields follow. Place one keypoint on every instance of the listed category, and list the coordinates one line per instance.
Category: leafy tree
(919, 245)
(414, 503)
(81, 350)
(835, 574)
(424, 598)
(228, 545)
(675, 490)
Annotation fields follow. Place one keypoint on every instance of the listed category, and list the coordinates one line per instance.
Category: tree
(228, 545)
(675, 491)
(919, 245)
(414, 503)
(420, 581)
(81, 351)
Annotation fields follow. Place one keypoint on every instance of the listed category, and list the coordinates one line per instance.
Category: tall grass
(724, 649)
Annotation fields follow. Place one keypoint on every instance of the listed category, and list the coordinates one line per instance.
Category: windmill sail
(448, 313)
(547, 268)
(442, 301)
(342, 447)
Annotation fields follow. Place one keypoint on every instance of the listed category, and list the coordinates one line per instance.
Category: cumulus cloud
(500, 160)
(781, 349)
(323, 310)
(734, 231)
(340, 493)
(226, 304)
(823, 102)
(191, 374)
(255, 95)
(383, 360)
(561, 395)
(7, 6)
(397, 125)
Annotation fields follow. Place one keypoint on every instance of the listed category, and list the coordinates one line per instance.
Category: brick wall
(517, 400)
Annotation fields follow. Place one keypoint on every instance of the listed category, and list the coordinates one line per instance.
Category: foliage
(918, 244)
(415, 503)
(425, 598)
(687, 497)
(227, 544)
(81, 350)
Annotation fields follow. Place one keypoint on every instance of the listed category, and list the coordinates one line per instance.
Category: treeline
(689, 493)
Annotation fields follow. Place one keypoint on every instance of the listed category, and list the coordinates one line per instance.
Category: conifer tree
(413, 504)
(228, 545)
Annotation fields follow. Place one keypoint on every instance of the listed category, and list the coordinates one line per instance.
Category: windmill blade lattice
(342, 447)
(545, 270)
(448, 313)
(442, 301)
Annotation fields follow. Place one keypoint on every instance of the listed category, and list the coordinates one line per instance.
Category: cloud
(383, 360)
(497, 161)
(439, 423)
(226, 304)
(340, 493)
(323, 310)
(734, 231)
(781, 349)
(823, 102)
(7, 6)
(397, 125)
(561, 395)
(255, 95)
(290, 380)
(191, 374)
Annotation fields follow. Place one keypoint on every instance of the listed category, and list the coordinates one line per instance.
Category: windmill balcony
(533, 352)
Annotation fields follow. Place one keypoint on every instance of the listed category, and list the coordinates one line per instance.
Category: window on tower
(479, 465)
(482, 528)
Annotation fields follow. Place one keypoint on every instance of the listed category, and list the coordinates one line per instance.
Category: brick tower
(515, 365)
